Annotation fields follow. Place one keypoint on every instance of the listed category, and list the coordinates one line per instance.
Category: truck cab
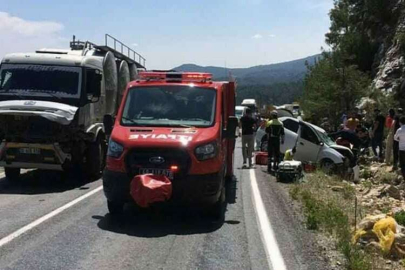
(181, 125)
(52, 106)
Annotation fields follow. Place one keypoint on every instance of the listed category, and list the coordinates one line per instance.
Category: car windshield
(325, 138)
(40, 80)
(169, 106)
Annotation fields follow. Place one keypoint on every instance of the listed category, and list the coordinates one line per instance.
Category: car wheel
(12, 174)
(263, 146)
(115, 208)
(327, 166)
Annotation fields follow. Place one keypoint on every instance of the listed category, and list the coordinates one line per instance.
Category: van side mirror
(93, 83)
(108, 122)
(231, 127)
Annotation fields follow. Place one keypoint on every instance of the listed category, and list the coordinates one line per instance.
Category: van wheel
(115, 208)
(217, 211)
(94, 159)
(12, 174)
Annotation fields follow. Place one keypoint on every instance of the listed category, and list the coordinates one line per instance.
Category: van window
(291, 125)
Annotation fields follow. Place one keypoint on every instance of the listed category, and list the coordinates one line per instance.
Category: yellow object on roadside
(385, 229)
(357, 235)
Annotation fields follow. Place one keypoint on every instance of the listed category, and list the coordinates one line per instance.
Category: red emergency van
(181, 125)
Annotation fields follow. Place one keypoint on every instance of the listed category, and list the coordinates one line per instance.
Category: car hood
(340, 147)
(53, 111)
(163, 136)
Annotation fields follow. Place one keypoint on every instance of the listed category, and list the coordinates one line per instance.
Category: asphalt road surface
(48, 223)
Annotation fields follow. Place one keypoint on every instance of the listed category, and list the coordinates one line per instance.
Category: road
(260, 229)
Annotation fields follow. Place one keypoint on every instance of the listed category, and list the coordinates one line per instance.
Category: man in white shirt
(400, 138)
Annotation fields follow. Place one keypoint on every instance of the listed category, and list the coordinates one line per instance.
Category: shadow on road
(41, 182)
(160, 222)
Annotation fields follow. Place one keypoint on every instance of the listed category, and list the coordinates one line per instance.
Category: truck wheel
(94, 159)
(12, 174)
(217, 211)
(115, 208)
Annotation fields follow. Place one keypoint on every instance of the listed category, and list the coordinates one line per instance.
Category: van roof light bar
(176, 76)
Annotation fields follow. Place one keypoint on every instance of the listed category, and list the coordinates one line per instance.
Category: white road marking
(274, 257)
(37, 222)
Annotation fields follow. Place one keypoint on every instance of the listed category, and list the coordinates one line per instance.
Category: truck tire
(115, 208)
(12, 174)
(94, 159)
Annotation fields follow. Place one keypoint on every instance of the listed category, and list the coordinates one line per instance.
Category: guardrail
(123, 49)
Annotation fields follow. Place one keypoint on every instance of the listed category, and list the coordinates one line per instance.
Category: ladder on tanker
(119, 49)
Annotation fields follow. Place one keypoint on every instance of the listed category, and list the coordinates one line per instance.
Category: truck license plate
(30, 151)
(165, 172)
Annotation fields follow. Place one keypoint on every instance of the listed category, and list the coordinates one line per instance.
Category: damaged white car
(312, 145)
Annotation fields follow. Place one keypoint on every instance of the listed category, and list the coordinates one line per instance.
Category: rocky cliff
(389, 62)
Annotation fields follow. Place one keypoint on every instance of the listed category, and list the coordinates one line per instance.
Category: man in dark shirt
(248, 140)
(395, 146)
(378, 133)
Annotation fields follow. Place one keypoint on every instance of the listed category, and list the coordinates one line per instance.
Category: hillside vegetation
(367, 40)
(270, 84)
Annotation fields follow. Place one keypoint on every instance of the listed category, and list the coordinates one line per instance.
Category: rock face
(389, 62)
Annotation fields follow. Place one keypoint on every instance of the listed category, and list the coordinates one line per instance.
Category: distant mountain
(258, 75)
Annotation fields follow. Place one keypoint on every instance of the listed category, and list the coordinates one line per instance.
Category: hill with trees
(271, 84)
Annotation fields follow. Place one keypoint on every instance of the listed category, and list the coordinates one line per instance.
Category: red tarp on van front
(149, 188)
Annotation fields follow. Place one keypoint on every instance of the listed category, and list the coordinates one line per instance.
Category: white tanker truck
(53, 103)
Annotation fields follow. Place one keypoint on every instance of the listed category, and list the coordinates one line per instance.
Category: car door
(291, 127)
(308, 144)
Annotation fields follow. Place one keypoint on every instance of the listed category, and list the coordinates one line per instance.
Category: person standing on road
(400, 138)
(275, 133)
(395, 146)
(248, 125)
(377, 134)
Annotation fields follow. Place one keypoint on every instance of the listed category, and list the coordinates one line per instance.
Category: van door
(308, 144)
(230, 96)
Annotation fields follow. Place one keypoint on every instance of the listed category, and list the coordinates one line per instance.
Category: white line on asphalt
(55, 212)
(274, 257)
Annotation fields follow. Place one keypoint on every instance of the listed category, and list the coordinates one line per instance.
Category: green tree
(331, 87)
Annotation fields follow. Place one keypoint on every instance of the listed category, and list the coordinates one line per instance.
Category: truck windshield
(40, 80)
(169, 106)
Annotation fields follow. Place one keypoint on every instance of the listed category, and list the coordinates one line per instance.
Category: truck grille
(44, 156)
(141, 158)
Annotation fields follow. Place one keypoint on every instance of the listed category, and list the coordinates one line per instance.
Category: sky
(168, 33)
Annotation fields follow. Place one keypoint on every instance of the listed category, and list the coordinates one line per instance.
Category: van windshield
(40, 80)
(169, 106)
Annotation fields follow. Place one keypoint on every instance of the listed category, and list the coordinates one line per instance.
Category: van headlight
(114, 149)
(206, 151)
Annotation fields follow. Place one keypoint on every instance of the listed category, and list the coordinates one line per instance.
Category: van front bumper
(192, 190)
